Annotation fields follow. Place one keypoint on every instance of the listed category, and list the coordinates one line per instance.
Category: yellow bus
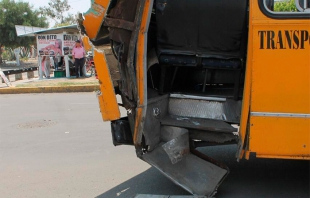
(200, 73)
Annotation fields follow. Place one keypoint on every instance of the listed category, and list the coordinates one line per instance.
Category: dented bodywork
(189, 74)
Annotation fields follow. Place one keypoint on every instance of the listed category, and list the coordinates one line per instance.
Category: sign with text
(50, 44)
(69, 42)
(56, 44)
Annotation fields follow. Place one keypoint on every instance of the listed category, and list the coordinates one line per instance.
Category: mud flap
(121, 133)
(190, 171)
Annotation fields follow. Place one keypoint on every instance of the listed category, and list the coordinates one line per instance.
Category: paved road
(55, 145)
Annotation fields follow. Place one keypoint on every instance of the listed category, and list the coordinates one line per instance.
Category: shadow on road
(248, 178)
(150, 181)
(260, 177)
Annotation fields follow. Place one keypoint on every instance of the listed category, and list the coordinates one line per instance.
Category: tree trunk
(0, 53)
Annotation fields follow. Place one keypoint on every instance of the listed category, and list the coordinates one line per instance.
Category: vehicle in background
(90, 65)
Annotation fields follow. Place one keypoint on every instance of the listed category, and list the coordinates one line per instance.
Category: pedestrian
(45, 64)
(60, 62)
(78, 54)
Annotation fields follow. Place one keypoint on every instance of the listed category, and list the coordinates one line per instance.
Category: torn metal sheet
(184, 96)
(196, 173)
(119, 23)
(198, 124)
(213, 136)
(197, 176)
(178, 145)
(156, 110)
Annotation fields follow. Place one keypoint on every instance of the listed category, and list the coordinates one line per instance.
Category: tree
(57, 10)
(17, 13)
(285, 6)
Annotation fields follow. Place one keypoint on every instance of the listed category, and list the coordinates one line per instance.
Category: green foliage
(24, 58)
(62, 24)
(285, 6)
(17, 13)
(6, 55)
(57, 10)
(24, 52)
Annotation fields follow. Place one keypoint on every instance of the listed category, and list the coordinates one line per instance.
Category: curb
(51, 89)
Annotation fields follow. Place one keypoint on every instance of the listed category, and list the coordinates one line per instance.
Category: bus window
(285, 9)
(303, 5)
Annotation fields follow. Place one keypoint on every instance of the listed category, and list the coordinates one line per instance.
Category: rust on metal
(119, 23)
(142, 18)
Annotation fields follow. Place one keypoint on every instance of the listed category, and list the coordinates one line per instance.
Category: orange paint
(277, 81)
(94, 17)
(86, 43)
(141, 72)
(107, 100)
(280, 137)
(247, 91)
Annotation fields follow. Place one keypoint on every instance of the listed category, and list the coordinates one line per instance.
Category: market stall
(54, 48)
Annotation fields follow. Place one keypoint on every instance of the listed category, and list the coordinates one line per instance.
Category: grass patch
(76, 83)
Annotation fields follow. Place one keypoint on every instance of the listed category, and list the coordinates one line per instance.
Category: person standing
(78, 54)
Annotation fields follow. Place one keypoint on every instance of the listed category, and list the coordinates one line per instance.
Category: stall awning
(32, 31)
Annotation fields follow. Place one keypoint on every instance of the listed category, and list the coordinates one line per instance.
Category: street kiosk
(54, 45)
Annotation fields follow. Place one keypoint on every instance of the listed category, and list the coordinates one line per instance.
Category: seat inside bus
(208, 35)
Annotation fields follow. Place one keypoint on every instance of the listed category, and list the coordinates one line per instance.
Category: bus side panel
(280, 137)
(280, 87)
(281, 69)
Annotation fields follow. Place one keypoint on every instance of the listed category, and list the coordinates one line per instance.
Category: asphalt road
(56, 145)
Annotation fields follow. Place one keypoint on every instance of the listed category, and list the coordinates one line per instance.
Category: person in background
(46, 64)
(58, 62)
(61, 63)
(78, 54)
(52, 59)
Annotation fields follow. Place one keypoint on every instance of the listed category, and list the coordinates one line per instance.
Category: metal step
(198, 123)
(216, 108)
(194, 174)
(198, 175)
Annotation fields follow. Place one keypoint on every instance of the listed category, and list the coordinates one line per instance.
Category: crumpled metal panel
(191, 171)
(156, 110)
(197, 176)
(178, 145)
(218, 126)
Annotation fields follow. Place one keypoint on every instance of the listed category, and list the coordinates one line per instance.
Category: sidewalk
(51, 85)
